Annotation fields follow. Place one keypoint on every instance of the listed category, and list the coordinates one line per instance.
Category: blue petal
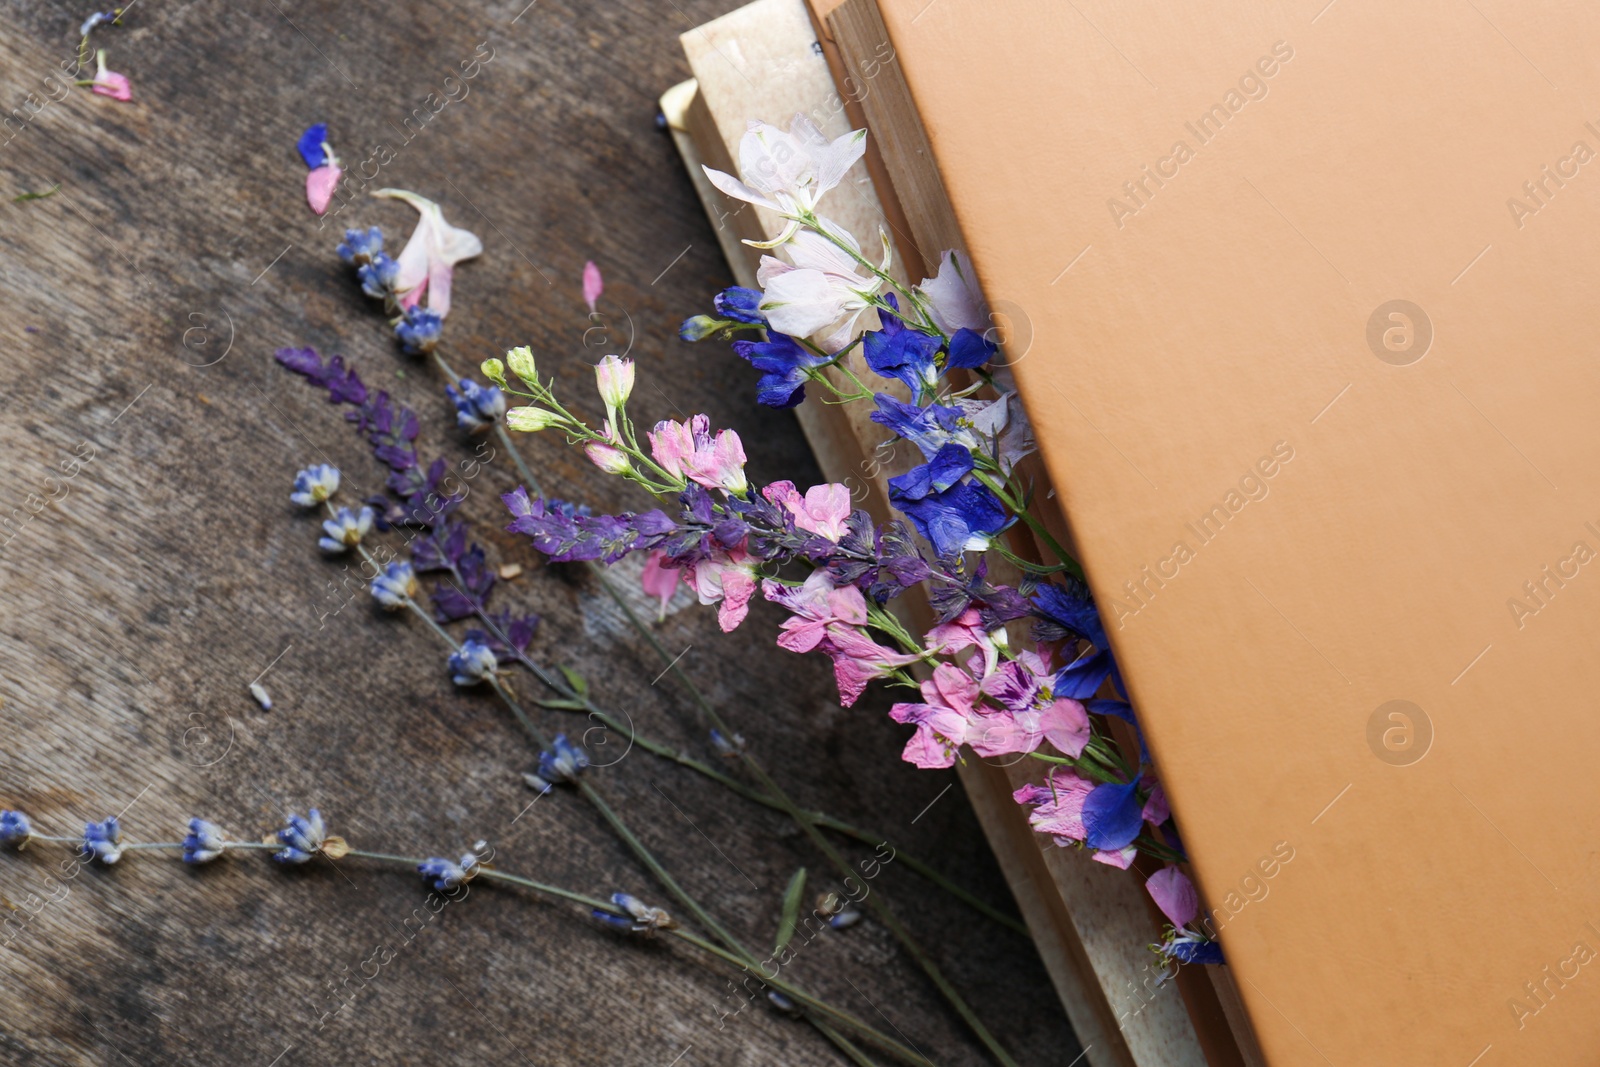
(969, 348)
(1080, 679)
(948, 466)
(1112, 815)
(313, 145)
(1195, 951)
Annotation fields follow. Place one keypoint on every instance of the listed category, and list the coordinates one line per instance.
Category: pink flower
(592, 285)
(816, 606)
(320, 184)
(691, 451)
(943, 719)
(110, 83)
(1175, 895)
(823, 511)
(728, 578)
(1121, 858)
(609, 459)
(1058, 805)
(614, 377)
(427, 263)
(857, 660)
(964, 631)
(1156, 811)
(658, 581)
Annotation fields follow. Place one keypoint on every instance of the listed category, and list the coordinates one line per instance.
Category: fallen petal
(320, 184)
(593, 286)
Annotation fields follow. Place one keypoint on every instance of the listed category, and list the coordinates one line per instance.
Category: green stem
(1069, 564)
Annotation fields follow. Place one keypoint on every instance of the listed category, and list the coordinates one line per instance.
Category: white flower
(789, 171)
(819, 294)
(953, 295)
(428, 260)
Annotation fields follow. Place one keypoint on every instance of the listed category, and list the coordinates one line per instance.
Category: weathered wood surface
(171, 570)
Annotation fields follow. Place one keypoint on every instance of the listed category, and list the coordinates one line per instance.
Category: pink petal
(592, 284)
(737, 588)
(927, 751)
(412, 297)
(1175, 895)
(114, 85)
(1066, 726)
(320, 184)
(1121, 860)
(440, 272)
(1156, 810)
(658, 581)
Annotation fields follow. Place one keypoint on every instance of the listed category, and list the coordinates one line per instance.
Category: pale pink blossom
(1156, 810)
(819, 294)
(831, 620)
(109, 82)
(964, 631)
(593, 286)
(857, 660)
(953, 295)
(727, 579)
(1058, 805)
(610, 459)
(320, 185)
(823, 511)
(1121, 858)
(943, 719)
(1175, 895)
(427, 263)
(789, 170)
(691, 451)
(658, 581)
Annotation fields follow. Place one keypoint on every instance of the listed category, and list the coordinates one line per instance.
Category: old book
(1308, 291)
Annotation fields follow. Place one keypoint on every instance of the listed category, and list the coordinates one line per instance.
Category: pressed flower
(1058, 805)
(562, 764)
(614, 378)
(478, 407)
(396, 586)
(1175, 895)
(321, 184)
(346, 529)
(635, 916)
(103, 841)
(689, 450)
(593, 285)
(302, 838)
(378, 275)
(361, 246)
(963, 518)
(418, 330)
(315, 484)
(427, 263)
(785, 367)
(659, 581)
(474, 662)
(108, 82)
(728, 579)
(313, 146)
(790, 170)
(819, 294)
(447, 874)
(14, 828)
(204, 843)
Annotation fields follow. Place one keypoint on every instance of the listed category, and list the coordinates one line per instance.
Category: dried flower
(396, 586)
(378, 276)
(361, 247)
(346, 529)
(478, 407)
(302, 838)
(564, 764)
(427, 263)
(109, 82)
(102, 840)
(520, 360)
(472, 663)
(14, 828)
(314, 485)
(204, 843)
(447, 874)
(418, 330)
(637, 917)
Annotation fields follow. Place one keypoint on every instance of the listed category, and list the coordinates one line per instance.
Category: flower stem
(1068, 563)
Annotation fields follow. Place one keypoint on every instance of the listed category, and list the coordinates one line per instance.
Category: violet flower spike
(473, 663)
(204, 843)
(302, 838)
(14, 828)
(103, 841)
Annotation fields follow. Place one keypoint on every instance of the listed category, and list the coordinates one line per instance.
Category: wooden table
(172, 570)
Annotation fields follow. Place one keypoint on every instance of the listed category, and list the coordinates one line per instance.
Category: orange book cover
(1314, 371)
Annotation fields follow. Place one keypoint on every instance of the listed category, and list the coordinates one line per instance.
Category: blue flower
(477, 406)
(313, 145)
(14, 828)
(786, 366)
(378, 276)
(699, 327)
(1081, 679)
(361, 246)
(419, 331)
(635, 916)
(204, 843)
(301, 839)
(314, 485)
(947, 467)
(898, 351)
(1113, 814)
(99, 18)
(727, 747)
(562, 765)
(1070, 609)
(395, 586)
(103, 840)
(929, 428)
(740, 304)
(472, 663)
(1190, 948)
(346, 529)
(969, 348)
(447, 874)
(964, 517)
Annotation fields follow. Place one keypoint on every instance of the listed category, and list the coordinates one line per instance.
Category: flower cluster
(415, 286)
(835, 571)
(562, 764)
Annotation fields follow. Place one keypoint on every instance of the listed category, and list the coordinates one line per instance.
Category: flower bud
(609, 459)
(530, 419)
(495, 371)
(615, 378)
(521, 362)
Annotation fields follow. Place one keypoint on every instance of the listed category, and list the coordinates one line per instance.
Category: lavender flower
(346, 529)
(378, 277)
(102, 840)
(14, 828)
(562, 765)
(419, 330)
(636, 916)
(361, 247)
(395, 586)
(314, 485)
(727, 747)
(99, 18)
(204, 843)
(446, 874)
(301, 839)
(478, 407)
(472, 663)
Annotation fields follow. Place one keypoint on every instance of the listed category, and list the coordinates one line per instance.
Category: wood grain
(139, 604)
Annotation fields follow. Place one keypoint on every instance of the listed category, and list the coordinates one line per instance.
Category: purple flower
(962, 518)
(947, 467)
(1081, 678)
(103, 841)
(785, 367)
(969, 348)
(302, 838)
(204, 843)
(14, 828)
(378, 277)
(566, 533)
(314, 485)
(562, 765)
(635, 916)
(1065, 610)
(740, 304)
(396, 586)
(898, 351)
(345, 530)
(929, 428)
(472, 663)
(419, 330)
(477, 406)
(1191, 948)
(447, 874)
(361, 246)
